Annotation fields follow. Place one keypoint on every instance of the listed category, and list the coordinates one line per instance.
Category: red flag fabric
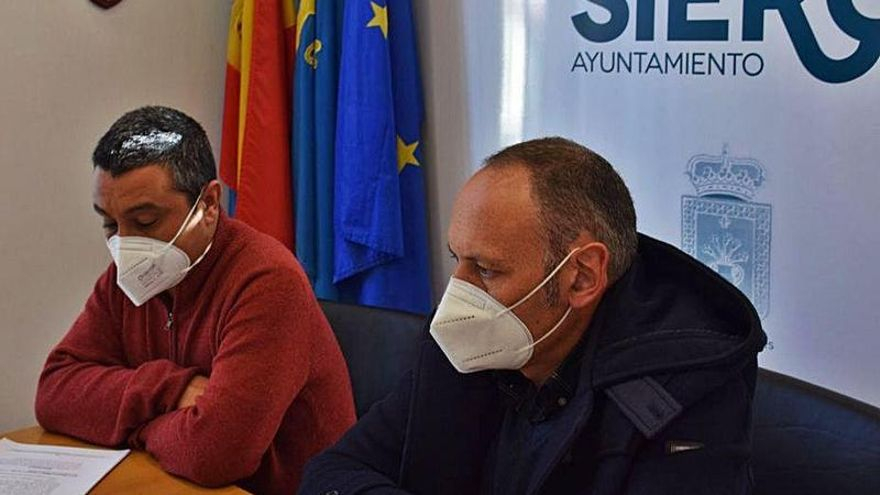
(255, 148)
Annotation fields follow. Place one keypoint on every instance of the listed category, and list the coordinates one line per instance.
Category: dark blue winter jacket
(663, 403)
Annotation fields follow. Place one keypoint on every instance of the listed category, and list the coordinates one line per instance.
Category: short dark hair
(576, 190)
(156, 135)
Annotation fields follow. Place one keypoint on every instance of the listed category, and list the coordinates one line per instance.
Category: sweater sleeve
(368, 459)
(87, 390)
(261, 365)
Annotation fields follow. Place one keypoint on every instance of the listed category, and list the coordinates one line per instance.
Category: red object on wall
(105, 4)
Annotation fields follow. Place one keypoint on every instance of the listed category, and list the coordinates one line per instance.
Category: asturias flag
(255, 150)
(381, 255)
(318, 27)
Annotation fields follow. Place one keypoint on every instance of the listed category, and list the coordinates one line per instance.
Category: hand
(195, 388)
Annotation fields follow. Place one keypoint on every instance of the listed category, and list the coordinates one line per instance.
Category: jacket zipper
(172, 341)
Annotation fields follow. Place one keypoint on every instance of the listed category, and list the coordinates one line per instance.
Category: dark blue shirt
(530, 415)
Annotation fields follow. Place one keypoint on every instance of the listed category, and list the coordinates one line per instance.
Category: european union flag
(318, 26)
(381, 255)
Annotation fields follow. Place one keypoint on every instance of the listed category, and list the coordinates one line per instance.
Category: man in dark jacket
(569, 353)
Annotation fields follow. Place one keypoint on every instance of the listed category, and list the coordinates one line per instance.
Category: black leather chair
(811, 441)
(379, 346)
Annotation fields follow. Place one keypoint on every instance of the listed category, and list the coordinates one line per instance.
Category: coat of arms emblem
(724, 229)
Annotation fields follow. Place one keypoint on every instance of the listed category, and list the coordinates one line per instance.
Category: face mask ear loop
(185, 221)
(543, 282)
(549, 333)
(200, 258)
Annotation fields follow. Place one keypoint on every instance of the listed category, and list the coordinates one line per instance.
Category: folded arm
(261, 365)
(87, 390)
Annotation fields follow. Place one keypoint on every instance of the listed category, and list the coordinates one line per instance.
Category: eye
(485, 273)
(145, 224)
(451, 254)
(109, 227)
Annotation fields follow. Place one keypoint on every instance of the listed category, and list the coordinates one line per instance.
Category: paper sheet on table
(27, 469)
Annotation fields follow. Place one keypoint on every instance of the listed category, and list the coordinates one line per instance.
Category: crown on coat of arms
(725, 175)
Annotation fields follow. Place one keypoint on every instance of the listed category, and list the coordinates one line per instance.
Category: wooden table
(137, 474)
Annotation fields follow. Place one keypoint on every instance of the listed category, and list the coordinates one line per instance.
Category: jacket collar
(670, 317)
(671, 313)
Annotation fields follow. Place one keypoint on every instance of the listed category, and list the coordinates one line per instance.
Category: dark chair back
(379, 346)
(811, 441)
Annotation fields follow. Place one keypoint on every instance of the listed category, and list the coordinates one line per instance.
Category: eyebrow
(456, 256)
(134, 209)
(479, 258)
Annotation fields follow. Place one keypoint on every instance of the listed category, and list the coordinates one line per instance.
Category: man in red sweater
(202, 343)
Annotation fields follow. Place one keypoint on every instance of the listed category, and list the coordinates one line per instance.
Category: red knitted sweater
(278, 389)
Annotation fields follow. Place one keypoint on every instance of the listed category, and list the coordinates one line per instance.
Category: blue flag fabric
(230, 207)
(315, 83)
(380, 241)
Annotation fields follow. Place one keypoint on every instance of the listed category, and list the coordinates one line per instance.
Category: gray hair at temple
(575, 190)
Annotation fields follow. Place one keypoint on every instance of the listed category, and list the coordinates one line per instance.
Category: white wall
(440, 28)
(69, 70)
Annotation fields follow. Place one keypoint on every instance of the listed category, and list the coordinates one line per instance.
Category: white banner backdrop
(747, 130)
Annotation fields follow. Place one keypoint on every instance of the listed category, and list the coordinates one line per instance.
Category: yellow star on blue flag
(380, 18)
(380, 238)
(406, 154)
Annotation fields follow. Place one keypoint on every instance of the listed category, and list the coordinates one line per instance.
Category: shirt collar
(536, 404)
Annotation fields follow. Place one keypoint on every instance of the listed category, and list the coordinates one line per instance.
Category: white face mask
(476, 332)
(146, 266)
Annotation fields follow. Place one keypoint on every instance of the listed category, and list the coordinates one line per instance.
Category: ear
(591, 275)
(211, 198)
